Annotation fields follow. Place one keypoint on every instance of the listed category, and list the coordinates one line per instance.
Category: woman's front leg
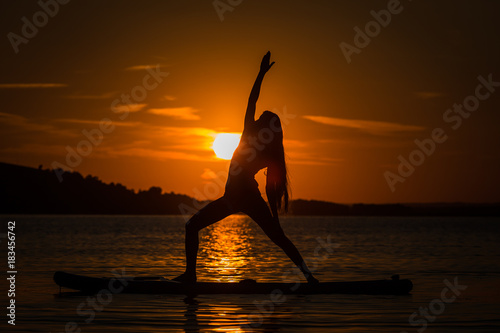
(210, 214)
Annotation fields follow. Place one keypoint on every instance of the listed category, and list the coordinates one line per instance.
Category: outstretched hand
(265, 65)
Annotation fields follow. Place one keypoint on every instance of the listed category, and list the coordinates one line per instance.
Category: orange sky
(347, 122)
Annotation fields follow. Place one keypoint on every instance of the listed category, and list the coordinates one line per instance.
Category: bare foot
(311, 279)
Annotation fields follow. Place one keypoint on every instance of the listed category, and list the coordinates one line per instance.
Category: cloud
(13, 120)
(138, 67)
(294, 143)
(308, 157)
(428, 94)
(184, 138)
(169, 98)
(157, 154)
(369, 126)
(316, 161)
(95, 122)
(131, 139)
(177, 132)
(124, 108)
(142, 67)
(171, 138)
(31, 85)
(107, 95)
(34, 149)
(183, 113)
(162, 143)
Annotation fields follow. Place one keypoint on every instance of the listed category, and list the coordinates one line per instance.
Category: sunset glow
(225, 144)
(230, 248)
(356, 118)
(239, 166)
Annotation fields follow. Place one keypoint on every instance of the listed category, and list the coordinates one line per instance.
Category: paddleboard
(160, 285)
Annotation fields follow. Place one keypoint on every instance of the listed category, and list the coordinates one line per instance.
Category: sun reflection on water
(226, 249)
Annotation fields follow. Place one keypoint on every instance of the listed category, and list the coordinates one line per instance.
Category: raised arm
(254, 94)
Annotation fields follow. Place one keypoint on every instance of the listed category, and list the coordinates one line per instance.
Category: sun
(225, 144)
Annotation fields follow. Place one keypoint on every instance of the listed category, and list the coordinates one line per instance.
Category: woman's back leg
(260, 213)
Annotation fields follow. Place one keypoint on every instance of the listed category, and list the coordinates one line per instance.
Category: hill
(25, 190)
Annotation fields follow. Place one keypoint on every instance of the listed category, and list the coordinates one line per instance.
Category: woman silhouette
(261, 146)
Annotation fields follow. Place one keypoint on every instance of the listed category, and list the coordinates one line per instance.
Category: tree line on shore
(25, 190)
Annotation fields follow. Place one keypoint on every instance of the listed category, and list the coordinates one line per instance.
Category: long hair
(277, 185)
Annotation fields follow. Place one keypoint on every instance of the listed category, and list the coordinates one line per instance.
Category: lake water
(429, 251)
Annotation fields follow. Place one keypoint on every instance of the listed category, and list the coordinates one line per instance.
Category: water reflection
(191, 324)
(227, 318)
(242, 313)
(226, 248)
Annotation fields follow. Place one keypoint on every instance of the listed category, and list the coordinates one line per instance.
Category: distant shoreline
(25, 190)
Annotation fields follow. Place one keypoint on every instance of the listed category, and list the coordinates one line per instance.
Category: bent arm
(254, 94)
